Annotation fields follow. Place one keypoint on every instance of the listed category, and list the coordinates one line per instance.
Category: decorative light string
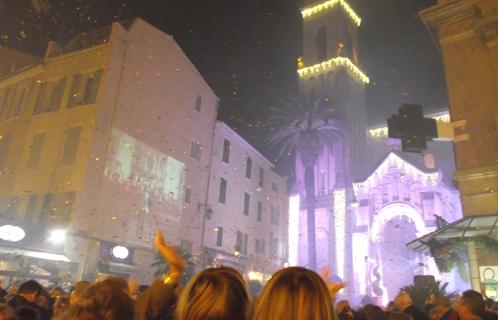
(340, 229)
(332, 64)
(318, 8)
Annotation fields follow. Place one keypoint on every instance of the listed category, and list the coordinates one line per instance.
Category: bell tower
(330, 66)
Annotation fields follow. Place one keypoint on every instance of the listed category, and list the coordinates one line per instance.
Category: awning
(464, 228)
(35, 254)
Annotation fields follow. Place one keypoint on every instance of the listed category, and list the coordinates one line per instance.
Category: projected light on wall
(294, 204)
(340, 229)
(143, 188)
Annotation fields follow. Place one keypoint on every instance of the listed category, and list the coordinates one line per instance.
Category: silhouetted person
(27, 297)
(404, 304)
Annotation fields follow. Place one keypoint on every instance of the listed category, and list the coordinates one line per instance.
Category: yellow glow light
(311, 11)
(331, 64)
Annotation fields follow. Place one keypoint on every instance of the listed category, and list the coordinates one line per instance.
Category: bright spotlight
(57, 236)
(11, 233)
(120, 252)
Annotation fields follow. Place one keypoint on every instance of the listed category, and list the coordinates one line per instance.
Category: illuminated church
(371, 199)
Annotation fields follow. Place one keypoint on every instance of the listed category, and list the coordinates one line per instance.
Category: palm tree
(162, 265)
(304, 127)
(420, 292)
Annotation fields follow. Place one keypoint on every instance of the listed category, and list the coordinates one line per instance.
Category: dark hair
(474, 301)
(30, 286)
(27, 313)
(105, 300)
(373, 312)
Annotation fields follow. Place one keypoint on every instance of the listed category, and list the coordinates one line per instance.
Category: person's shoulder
(490, 316)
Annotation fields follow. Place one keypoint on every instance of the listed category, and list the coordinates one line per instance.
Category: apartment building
(96, 144)
(247, 220)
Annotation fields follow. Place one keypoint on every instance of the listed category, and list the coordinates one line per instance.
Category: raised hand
(333, 287)
(169, 253)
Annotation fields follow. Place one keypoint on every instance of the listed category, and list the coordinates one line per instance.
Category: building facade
(467, 34)
(94, 148)
(247, 226)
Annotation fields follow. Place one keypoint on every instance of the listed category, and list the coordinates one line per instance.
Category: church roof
(402, 161)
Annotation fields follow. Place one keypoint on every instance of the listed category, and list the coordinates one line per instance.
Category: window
(36, 149)
(198, 103)
(19, 102)
(223, 191)
(226, 151)
(274, 187)
(248, 167)
(56, 99)
(259, 246)
(91, 88)
(195, 150)
(219, 236)
(261, 177)
(247, 199)
(4, 149)
(40, 99)
(259, 216)
(321, 44)
(188, 195)
(7, 99)
(71, 145)
(30, 208)
(273, 246)
(275, 215)
(186, 246)
(74, 93)
(241, 243)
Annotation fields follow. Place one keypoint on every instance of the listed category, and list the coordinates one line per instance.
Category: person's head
(344, 310)
(214, 293)
(105, 300)
(443, 303)
(78, 290)
(403, 301)
(61, 305)
(399, 316)
(470, 305)
(431, 299)
(27, 313)
(6, 312)
(30, 290)
(391, 307)
(373, 312)
(56, 292)
(294, 293)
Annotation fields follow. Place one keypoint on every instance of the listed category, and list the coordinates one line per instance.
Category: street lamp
(57, 236)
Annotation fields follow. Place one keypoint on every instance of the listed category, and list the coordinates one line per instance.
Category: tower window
(321, 43)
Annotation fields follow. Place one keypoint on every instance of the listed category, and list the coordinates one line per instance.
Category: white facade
(248, 225)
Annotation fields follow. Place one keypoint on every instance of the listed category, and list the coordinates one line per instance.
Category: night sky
(247, 50)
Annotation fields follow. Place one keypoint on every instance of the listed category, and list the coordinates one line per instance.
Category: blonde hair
(214, 294)
(295, 293)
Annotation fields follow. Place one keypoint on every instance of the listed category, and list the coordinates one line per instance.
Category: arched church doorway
(394, 265)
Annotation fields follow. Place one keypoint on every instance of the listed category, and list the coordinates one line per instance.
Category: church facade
(371, 199)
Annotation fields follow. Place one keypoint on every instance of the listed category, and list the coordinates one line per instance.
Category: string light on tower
(293, 229)
(332, 64)
(313, 10)
(340, 229)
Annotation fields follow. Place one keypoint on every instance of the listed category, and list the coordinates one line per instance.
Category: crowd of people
(221, 293)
